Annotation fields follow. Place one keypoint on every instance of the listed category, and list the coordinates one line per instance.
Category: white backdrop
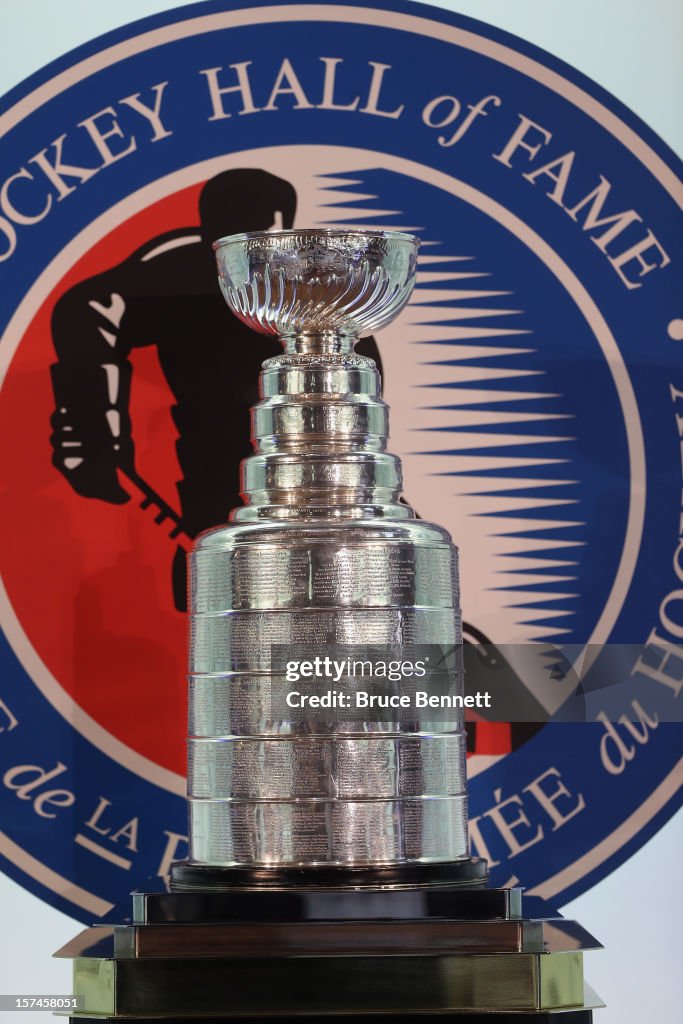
(632, 49)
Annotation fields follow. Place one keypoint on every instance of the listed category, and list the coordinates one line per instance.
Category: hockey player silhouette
(166, 294)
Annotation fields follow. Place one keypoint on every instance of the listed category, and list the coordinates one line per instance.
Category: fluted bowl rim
(245, 236)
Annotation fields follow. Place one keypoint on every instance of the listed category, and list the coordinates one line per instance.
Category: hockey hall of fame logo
(535, 381)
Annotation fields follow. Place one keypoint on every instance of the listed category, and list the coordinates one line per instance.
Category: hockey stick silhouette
(165, 513)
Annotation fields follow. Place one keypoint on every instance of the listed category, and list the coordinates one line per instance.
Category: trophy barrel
(322, 554)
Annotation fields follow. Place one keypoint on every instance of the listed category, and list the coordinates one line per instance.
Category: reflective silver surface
(300, 283)
(323, 551)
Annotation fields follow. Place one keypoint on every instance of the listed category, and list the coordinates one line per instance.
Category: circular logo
(535, 383)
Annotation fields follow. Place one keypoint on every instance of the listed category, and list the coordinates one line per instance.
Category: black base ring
(188, 876)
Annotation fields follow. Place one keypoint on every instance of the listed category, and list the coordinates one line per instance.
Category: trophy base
(356, 951)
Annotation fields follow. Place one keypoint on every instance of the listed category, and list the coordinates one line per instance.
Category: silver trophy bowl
(305, 284)
(323, 552)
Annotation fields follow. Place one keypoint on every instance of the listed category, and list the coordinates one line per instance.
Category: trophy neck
(319, 343)
(319, 434)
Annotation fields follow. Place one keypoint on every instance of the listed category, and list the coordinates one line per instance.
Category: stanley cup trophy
(329, 874)
(323, 553)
